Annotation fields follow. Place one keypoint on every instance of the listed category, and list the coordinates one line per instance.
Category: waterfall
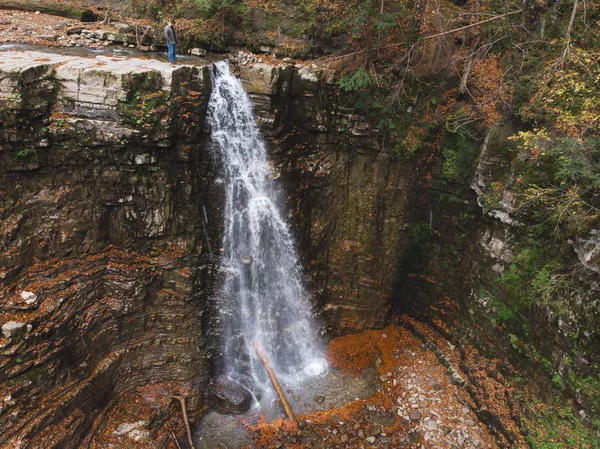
(262, 295)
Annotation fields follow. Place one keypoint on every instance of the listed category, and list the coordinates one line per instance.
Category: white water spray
(262, 295)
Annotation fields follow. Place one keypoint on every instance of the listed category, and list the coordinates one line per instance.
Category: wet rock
(248, 383)
(230, 397)
(14, 329)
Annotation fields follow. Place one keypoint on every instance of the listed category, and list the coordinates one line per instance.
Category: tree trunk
(50, 7)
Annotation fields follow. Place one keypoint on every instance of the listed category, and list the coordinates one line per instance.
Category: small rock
(361, 434)
(378, 361)
(74, 30)
(198, 52)
(437, 386)
(477, 444)
(28, 297)
(123, 27)
(455, 377)
(230, 396)
(465, 410)
(415, 415)
(431, 425)
(415, 436)
(49, 37)
(344, 438)
(469, 422)
(383, 378)
(320, 399)
(13, 329)
(370, 439)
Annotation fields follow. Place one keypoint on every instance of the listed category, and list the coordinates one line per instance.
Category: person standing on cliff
(171, 37)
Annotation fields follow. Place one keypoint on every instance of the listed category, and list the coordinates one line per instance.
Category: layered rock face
(470, 270)
(100, 163)
(110, 201)
(347, 194)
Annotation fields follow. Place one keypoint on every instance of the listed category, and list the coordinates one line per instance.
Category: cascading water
(262, 295)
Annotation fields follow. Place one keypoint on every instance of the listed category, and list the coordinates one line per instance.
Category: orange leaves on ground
(351, 353)
(354, 353)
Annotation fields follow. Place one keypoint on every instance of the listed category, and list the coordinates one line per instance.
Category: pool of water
(333, 390)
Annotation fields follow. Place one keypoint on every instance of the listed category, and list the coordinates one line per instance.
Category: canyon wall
(102, 183)
(111, 222)
(111, 218)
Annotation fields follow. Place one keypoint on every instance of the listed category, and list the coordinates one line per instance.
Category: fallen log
(286, 406)
(53, 8)
(186, 421)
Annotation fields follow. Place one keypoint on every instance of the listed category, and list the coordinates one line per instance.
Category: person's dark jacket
(170, 34)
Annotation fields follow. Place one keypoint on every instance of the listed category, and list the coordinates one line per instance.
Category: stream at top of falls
(261, 296)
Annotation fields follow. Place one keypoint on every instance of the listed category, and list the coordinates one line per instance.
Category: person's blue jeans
(172, 52)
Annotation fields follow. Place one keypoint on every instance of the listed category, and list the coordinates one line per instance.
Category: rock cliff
(101, 184)
(110, 202)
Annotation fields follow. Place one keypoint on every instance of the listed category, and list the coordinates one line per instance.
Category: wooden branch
(286, 406)
(491, 19)
(465, 76)
(62, 9)
(569, 29)
(175, 438)
(185, 419)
